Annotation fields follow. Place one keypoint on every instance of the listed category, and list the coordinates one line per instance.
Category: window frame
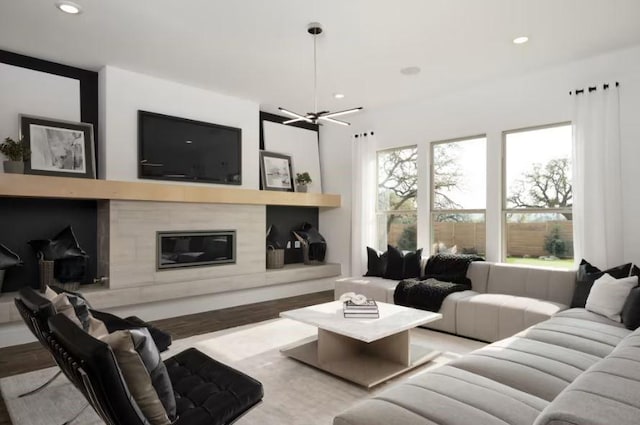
(386, 212)
(432, 186)
(505, 210)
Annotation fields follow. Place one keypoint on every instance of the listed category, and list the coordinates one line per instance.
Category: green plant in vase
(17, 153)
(302, 180)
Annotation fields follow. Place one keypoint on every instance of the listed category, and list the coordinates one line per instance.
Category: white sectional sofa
(504, 299)
(577, 368)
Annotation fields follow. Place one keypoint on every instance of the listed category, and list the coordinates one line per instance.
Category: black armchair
(207, 392)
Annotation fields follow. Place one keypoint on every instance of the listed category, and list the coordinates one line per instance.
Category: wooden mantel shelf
(31, 186)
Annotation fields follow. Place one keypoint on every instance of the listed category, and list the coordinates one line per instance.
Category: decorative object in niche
(8, 259)
(314, 246)
(58, 148)
(62, 261)
(275, 252)
(302, 180)
(275, 171)
(17, 152)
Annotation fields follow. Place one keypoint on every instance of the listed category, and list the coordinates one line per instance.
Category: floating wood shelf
(31, 186)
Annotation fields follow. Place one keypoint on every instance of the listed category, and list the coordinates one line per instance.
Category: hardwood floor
(28, 357)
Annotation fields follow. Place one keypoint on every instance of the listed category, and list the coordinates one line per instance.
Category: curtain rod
(363, 134)
(591, 88)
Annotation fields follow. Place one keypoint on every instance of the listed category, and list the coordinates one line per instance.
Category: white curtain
(597, 178)
(363, 200)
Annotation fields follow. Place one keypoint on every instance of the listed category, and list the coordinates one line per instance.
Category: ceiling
(260, 50)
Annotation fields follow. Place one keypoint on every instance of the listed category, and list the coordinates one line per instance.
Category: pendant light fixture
(315, 29)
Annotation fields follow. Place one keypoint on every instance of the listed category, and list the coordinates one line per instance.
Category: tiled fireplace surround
(127, 242)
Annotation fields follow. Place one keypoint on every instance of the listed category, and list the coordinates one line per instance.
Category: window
(458, 195)
(396, 204)
(538, 196)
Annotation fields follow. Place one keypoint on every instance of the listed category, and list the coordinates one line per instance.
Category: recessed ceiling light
(520, 40)
(69, 7)
(338, 96)
(410, 70)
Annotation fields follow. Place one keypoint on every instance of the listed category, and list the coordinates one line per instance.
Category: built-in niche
(25, 219)
(286, 219)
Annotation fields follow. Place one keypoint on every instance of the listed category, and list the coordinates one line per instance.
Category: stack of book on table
(367, 310)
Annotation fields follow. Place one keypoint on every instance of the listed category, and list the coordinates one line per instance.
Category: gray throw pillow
(146, 348)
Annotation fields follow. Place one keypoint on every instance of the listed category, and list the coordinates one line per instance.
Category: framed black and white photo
(275, 171)
(59, 148)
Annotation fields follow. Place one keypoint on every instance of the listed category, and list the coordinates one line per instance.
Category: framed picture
(275, 171)
(58, 148)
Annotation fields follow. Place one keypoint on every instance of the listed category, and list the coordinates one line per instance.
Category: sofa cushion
(583, 314)
(587, 336)
(608, 295)
(490, 317)
(478, 274)
(446, 395)
(534, 367)
(448, 311)
(544, 284)
(607, 393)
(375, 288)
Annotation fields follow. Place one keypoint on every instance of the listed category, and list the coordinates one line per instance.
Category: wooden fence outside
(523, 239)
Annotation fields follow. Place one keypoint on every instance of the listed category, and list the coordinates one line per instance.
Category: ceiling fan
(315, 29)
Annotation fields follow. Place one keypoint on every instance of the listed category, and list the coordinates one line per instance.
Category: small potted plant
(17, 153)
(302, 180)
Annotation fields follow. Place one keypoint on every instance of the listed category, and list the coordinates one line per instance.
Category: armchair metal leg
(50, 380)
(76, 415)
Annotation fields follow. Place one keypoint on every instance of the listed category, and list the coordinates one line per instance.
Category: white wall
(123, 93)
(538, 98)
(24, 91)
(335, 167)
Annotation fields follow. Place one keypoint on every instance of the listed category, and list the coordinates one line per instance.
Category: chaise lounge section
(573, 369)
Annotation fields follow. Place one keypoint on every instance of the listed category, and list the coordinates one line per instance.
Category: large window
(458, 195)
(396, 204)
(538, 196)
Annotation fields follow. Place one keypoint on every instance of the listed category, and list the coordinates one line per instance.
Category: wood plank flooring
(28, 357)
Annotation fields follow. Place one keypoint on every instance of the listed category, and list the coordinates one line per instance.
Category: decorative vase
(301, 188)
(14, 167)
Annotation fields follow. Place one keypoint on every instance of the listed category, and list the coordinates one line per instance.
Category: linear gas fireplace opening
(195, 248)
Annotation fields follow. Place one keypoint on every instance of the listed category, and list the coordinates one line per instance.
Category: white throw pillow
(608, 295)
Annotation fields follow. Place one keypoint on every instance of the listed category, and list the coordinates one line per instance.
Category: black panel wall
(287, 219)
(22, 220)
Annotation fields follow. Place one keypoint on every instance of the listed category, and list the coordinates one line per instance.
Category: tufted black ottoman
(209, 392)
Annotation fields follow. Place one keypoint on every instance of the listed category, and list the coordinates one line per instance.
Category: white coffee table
(365, 351)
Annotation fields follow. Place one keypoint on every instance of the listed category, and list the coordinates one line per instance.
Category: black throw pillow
(631, 310)
(376, 263)
(401, 266)
(587, 274)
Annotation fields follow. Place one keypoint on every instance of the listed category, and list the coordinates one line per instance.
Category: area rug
(294, 393)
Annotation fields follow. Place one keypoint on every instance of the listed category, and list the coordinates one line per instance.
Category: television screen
(172, 148)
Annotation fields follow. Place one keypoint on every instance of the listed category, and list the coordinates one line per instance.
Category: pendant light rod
(315, 29)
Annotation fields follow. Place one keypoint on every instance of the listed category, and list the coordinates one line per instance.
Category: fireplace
(195, 248)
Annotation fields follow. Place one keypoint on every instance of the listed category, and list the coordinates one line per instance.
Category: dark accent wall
(25, 219)
(287, 219)
(88, 86)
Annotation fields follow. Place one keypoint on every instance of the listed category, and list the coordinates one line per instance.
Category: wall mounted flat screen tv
(172, 148)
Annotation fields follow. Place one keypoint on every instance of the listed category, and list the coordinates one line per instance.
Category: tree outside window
(458, 178)
(538, 196)
(397, 198)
